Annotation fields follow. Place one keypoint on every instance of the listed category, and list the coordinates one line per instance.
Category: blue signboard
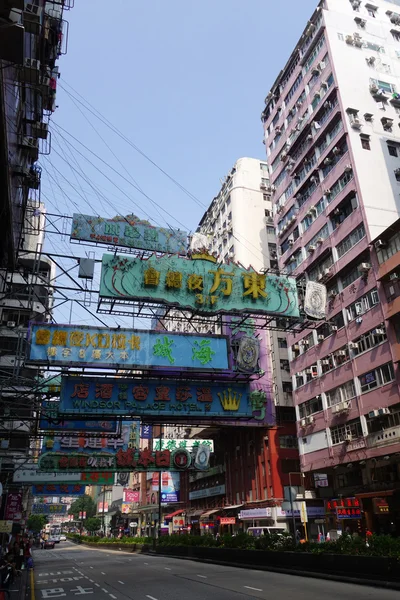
(128, 232)
(149, 397)
(49, 509)
(128, 438)
(51, 421)
(146, 432)
(58, 489)
(76, 345)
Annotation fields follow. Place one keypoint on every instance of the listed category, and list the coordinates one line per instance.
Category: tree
(93, 524)
(83, 504)
(36, 523)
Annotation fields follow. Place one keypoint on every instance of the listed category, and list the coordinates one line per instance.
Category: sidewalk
(19, 589)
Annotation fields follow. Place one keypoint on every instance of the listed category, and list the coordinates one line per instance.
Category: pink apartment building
(332, 138)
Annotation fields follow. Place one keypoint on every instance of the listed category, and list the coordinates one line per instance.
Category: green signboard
(198, 283)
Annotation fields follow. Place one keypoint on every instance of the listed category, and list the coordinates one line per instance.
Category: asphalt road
(70, 572)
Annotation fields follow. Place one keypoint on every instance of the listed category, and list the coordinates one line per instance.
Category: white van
(258, 531)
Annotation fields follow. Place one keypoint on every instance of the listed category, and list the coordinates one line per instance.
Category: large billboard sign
(31, 474)
(199, 283)
(129, 437)
(155, 398)
(50, 420)
(49, 509)
(75, 345)
(187, 444)
(128, 232)
(58, 489)
(124, 460)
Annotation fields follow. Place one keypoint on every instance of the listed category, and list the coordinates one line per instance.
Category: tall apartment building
(332, 138)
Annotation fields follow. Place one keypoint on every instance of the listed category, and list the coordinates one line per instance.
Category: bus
(52, 532)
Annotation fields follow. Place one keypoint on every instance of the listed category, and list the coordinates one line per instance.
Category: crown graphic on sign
(203, 255)
(230, 400)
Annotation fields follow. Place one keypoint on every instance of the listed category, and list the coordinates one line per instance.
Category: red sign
(131, 496)
(13, 509)
(333, 505)
(380, 505)
(227, 520)
(100, 509)
(178, 522)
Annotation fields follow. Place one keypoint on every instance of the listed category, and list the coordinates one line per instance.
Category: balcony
(385, 437)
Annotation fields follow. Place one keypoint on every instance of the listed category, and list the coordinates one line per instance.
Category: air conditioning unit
(305, 342)
(349, 40)
(332, 294)
(327, 161)
(334, 327)
(309, 137)
(373, 414)
(383, 411)
(353, 346)
(263, 186)
(327, 192)
(291, 243)
(310, 419)
(346, 405)
(31, 146)
(365, 267)
(348, 168)
(326, 272)
(336, 151)
(279, 208)
(320, 240)
(380, 244)
(358, 40)
(320, 338)
(311, 248)
(325, 362)
(341, 353)
(296, 347)
(361, 22)
(348, 437)
(11, 324)
(315, 71)
(370, 60)
(378, 332)
(356, 123)
(308, 371)
(335, 408)
(393, 276)
(303, 423)
(320, 277)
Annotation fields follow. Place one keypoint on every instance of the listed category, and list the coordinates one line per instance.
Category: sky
(184, 82)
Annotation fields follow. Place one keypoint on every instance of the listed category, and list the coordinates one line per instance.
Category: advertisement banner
(149, 397)
(31, 474)
(49, 509)
(127, 507)
(80, 345)
(227, 520)
(58, 489)
(198, 283)
(6, 526)
(128, 438)
(146, 432)
(102, 507)
(13, 507)
(130, 496)
(124, 460)
(128, 232)
(170, 486)
(173, 444)
(178, 523)
(50, 420)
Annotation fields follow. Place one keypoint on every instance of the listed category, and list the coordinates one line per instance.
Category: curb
(390, 585)
(33, 596)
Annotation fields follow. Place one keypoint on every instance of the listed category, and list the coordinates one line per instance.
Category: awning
(194, 513)
(374, 494)
(208, 513)
(232, 507)
(173, 514)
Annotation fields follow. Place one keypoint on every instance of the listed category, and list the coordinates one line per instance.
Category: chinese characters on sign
(344, 508)
(198, 284)
(124, 460)
(104, 347)
(147, 397)
(172, 444)
(50, 420)
(49, 509)
(13, 509)
(128, 232)
(58, 489)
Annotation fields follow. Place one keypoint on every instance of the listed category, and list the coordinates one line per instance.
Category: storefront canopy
(173, 514)
(208, 513)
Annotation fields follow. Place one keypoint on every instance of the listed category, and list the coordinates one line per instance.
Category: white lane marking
(251, 588)
(146, 563)
(121, 582)
(104, 590)
(151, 597)
(90, 567)
(98, 585)
(112, 596)
(167, 568)
(202, 576)
(91, 580)
(102, 572)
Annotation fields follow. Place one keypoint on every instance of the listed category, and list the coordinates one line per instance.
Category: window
(289, 466)
(284, 364)
(376, 377)
(351, 240)
(310, 407)
(384, 85)
(397, 174)
(318, 238)
(345, 392)
(371, 12)
(314, 53)
(352, 275)
(392, 247)
(285, 414)
(344, 210)
(392, 149)
(264, 167)
(362, 305)
(320, 268)
(293, 89)
(270, 230)
(365, 142)
(370, 339)
(288, 441)
(344, 433)
(282, 343)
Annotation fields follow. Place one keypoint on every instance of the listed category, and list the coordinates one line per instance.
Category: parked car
(49, 544)
(63, 538)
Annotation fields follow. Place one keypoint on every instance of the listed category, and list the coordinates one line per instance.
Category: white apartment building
(239, 227)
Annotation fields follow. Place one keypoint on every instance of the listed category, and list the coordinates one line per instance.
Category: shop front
(208, 522)
(256, 517)
(379, 511)
(193, 521)
(309, 518)
(343, 515)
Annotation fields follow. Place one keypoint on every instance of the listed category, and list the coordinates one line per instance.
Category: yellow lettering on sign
(221, 277)
(76, 339)
(134, 342)
(103, 340)
(118, 341)
(151, 277)
(254, 284)
(42, 337)
(60, 338)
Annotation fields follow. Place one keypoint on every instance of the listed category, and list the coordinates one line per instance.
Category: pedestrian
(42, 541)
(298, 536)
